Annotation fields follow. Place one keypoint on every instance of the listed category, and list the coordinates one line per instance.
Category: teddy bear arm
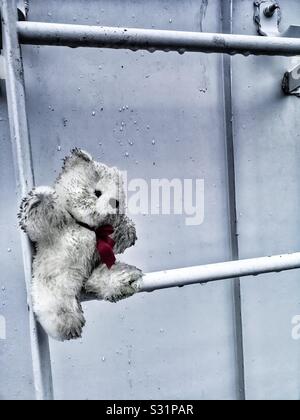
(40, 213)
(119, 282)
(124, 235)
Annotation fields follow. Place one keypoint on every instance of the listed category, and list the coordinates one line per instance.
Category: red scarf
(105, 245)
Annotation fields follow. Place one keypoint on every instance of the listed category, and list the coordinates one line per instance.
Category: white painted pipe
(220, 271)
(41, 33)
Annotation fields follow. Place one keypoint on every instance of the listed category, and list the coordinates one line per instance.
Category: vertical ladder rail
(15, 91)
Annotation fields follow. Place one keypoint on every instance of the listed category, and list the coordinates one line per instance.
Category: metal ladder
(16, 32)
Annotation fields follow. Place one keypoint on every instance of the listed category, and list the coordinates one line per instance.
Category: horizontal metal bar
(220, 271)
(203, 274)
(36, 33)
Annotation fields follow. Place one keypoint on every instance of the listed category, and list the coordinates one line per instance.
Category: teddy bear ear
(77, 157)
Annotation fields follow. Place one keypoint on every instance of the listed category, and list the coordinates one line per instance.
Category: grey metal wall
(173, 343)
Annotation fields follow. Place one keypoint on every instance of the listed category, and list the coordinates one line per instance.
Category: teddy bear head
(91, 192)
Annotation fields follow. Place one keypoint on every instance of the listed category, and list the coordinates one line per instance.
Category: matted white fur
(66, 262)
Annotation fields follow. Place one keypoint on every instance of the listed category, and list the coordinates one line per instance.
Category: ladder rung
(36, 33)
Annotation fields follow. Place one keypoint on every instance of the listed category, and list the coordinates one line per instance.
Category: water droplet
(100, 67)
(148, 127)
(127, 154)
(130, 143)
(170, 20)
(93, 113)
(122, 123)
(58, 148)
(8, 249)
(103, 359)
(153, 142)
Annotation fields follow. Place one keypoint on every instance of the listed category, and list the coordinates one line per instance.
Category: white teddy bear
(77, 227)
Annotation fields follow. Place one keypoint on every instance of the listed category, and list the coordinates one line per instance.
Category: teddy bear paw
(70, 325)
(125, 284)
(132, 238)
(125, 239)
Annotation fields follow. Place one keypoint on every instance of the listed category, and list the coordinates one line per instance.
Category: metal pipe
(25, 180)
(36, 33)
(220, 271)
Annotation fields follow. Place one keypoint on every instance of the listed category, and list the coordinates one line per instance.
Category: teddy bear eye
(98, 193)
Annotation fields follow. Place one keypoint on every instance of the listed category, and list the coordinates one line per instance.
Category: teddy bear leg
(62, 319)
(119, 282)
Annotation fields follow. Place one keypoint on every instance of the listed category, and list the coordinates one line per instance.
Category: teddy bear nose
(115, 204)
